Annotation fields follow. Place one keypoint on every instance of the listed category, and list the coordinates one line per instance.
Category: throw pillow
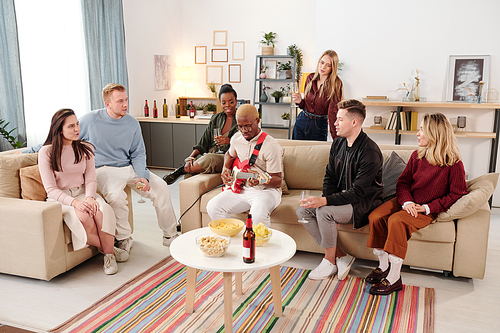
(305, 166)
(284, 187)
(31, 184)
(391, 170)
(480, 190)
(9, 173)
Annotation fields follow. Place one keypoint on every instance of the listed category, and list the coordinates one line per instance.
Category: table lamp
(184, 75)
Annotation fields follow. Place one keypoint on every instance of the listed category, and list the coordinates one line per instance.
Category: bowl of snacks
(262, 234)
(213, 245)
(230, 227)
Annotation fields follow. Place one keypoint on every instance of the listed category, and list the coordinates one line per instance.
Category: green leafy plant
(277, 94)
(268, 38)
(295, 51)
(285, 116)
(7, 135)
(263, 68)
(210, 107)
(284, 66)
(285, 90)
(200, 106)
(211, 87)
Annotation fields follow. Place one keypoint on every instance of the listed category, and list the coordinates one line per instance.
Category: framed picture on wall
(220, 38)
(200, 54)
(270, 68)
(219, 55)
(238, 50)
(234, 73)
(464, 74)
(214, 75)
(162, 72)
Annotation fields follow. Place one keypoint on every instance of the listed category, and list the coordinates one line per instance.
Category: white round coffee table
(279, 249)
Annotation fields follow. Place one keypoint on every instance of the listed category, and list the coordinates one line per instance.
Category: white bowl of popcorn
(213, 245)
(230, 227)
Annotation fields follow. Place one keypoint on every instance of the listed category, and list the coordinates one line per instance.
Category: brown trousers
(391, 227)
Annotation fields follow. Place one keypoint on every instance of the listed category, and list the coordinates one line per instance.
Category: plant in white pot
(286, 94)
(284, 70)
(286, 119)
(277, 94)
(268, 43)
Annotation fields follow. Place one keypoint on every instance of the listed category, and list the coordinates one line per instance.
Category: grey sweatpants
(323, 222)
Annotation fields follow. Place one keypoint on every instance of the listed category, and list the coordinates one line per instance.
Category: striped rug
(154, 302)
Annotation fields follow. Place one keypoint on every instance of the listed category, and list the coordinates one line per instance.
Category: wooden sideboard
(494, 135)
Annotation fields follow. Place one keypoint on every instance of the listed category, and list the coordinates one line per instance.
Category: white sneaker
(168, 240)
(344, 265)
(120, 254)
(125, 244)
(324, 270)
(110, 266)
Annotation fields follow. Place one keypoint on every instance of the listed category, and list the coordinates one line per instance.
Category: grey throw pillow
(391, 171)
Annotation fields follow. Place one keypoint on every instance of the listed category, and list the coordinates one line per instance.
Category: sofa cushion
(9, 173)
(480, 189)
(31, 184)
(284, 187)
(305, 166)
(391, 171)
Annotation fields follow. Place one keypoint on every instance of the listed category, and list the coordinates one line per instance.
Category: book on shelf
(408, 121)
(376, 98)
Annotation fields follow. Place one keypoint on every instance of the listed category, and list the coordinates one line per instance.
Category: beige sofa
(456, 243)
(34, 241)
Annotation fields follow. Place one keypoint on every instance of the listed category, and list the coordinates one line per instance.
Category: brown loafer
(377, 275)
(385, 288)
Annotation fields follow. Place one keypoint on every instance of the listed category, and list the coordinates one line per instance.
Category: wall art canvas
(162, 72)
(464, 75)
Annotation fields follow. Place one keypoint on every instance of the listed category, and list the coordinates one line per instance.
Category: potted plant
(286, 94)
(263, 74)
(284, 70)
(211, 87)
(286, 119)
(211, 108)
(199, 109)
(6, 134)
(294, 51)
(277, 94)
(268, 41)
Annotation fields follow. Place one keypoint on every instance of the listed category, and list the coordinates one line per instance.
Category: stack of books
(408, 121)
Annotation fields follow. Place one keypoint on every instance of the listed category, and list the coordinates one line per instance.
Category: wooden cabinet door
(162, 145)
(184, 138)
(146, 135)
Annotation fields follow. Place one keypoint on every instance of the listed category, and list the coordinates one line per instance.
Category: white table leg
(238, 283)
(228, 302)
(276, 287)
(190, 288)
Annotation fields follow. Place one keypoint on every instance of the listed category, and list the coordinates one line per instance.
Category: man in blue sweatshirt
(120, 160)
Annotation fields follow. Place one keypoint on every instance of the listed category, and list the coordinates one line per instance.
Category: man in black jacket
(352, 188)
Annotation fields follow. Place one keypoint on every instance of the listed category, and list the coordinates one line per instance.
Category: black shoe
(172, 177)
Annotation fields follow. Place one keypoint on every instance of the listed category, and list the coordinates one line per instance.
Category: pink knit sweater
(424, 183)
(72, 175)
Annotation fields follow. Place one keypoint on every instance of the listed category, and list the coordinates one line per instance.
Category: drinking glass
(461, 123)
(217, 132)
(294, 89)
(304, 194)
(140, 186)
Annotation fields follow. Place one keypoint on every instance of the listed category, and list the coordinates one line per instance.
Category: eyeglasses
(247, 128)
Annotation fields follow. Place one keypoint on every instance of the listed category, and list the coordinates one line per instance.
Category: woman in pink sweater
(67, 170)
(432, 181)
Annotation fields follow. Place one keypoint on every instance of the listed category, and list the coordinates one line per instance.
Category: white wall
(383, 42)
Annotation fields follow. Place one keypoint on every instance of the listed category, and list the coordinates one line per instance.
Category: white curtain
(53, 62)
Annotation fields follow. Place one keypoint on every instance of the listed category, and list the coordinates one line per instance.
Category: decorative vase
(267, 50)
(281, 74)
(417, 91)
(277, 99)
(263, 75)
(263, 97)
(214, 94)
(287, 99)
(286, 122)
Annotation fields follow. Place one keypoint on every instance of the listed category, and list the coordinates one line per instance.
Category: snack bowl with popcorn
(230, 227)
(262, 234)
(213, 245)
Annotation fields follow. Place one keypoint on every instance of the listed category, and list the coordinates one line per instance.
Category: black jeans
(310, 129)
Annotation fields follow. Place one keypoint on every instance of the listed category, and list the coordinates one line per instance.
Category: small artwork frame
(200, 54)
(234, 73)
(220, 37)
(214, 74)
(238, 51)
(464, 74)
(271, 68)
(219, 55)
(162, 72)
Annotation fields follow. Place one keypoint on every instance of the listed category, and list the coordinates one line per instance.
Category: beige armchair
(34, 241)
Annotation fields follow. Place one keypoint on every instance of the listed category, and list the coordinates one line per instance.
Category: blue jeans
(310, 129)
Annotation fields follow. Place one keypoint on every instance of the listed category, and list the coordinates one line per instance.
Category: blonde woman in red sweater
(432, 181)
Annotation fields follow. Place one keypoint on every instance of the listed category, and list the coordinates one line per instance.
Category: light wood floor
(462, 305)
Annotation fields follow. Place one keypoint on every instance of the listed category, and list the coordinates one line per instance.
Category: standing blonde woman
(67, 170)
(432, 181)
(323, 91)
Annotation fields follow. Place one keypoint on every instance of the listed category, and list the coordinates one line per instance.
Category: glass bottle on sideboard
(146, 109)
(155, 110)
(165, 108)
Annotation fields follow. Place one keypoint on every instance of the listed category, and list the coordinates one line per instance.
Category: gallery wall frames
(220, 37)
(219, 55)
(200, 54)
(214, 74)
(238, 51)
(234, 71)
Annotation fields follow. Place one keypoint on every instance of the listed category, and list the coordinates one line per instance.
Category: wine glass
(217, 132)
(304, 194)
(140, 186)
(294, 89)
